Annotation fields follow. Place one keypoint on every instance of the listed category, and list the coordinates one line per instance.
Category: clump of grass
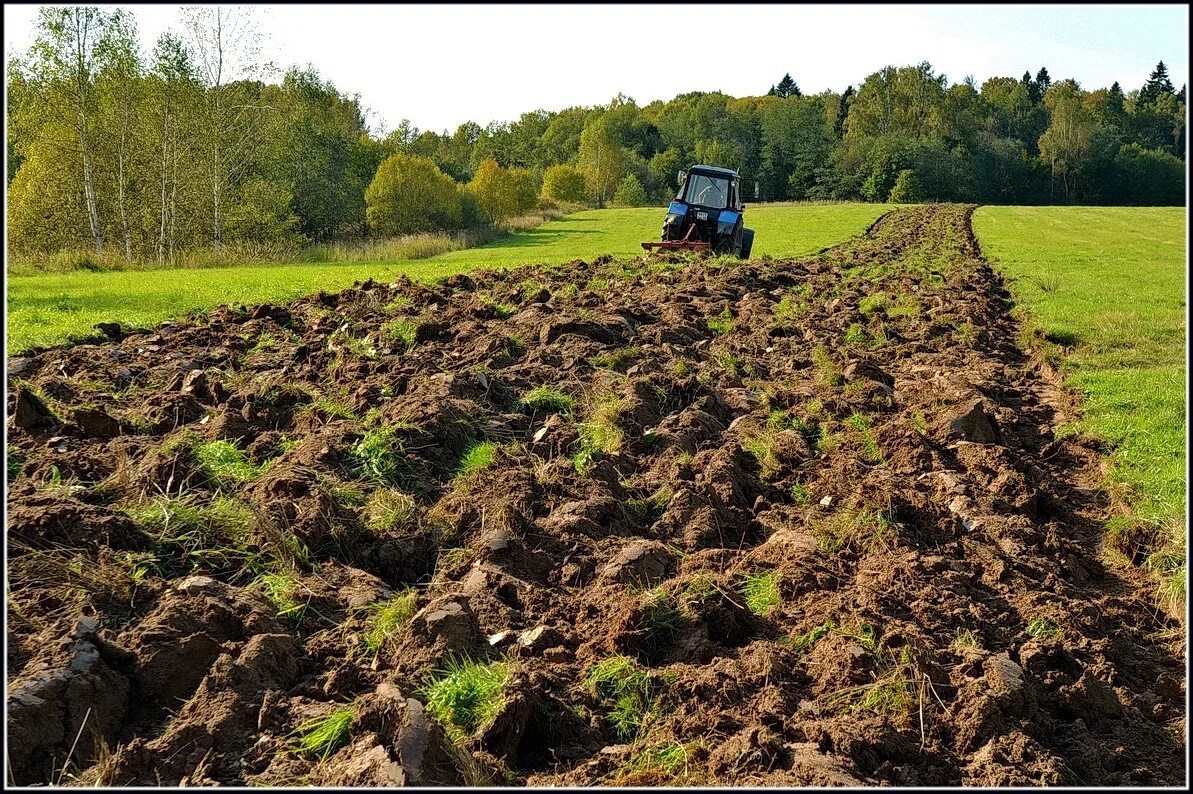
(380, 455)
(342, 339)
(280, 589)
(826, 369)
(398, 302)
(681, 368)
(808, 639)
(855, 334)
(890, 693)
(653, 506)
(14, 461)
(799, 494)
(722, 323)
(873, 303)
(658, 623)
(225, 464)
(861, 529)
(546, 399)
(465, 695)
(388, 617)
(514, 347)
(324, 735)
(600, 435)
(762, 446)
(789, 307)
(727, 361)
(761, 591)
(390, 510)
(668, 760)
(965, 638)
(871, 453)
(479, 456)
(401, 331)
(502, 310)
(335, 407)
(625, 690)
(615, 358)
(1042, 628)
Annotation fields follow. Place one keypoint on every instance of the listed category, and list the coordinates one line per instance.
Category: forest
(143, 156)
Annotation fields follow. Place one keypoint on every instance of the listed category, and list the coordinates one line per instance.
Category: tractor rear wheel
(747, 242)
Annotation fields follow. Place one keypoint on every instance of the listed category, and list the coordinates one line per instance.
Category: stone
(643, 563)
(539, 638)
(31, 413)
(972, 421)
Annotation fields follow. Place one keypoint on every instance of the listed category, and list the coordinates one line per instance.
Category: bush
(630, 193)
(495, 190)
(261, 211)
(907, 188)
(410, 194)
(1149, 176)
(565, 183)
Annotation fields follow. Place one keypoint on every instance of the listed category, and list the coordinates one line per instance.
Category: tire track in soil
(905, 488)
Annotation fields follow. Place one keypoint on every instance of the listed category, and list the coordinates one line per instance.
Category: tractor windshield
(708, 191)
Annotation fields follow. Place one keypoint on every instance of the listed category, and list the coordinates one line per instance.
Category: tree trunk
(128, 240)
(165, 178)
(97, 234)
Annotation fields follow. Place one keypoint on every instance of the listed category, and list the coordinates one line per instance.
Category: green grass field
(1108, 284)
(46, 310)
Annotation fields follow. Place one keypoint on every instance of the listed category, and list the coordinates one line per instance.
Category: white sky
(441, 65)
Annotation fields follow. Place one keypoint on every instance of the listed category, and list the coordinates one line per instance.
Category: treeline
(150, 154)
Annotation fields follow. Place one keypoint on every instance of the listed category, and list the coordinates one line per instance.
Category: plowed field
(635, 521)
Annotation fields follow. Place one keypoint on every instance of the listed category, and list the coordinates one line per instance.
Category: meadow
(1106, 285)
(50, 309)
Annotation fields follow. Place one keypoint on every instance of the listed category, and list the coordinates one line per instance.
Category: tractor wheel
(747, 242)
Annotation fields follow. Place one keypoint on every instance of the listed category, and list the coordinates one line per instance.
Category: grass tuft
(546, 399)
(390, 510)
(324, 735)
(387, 618)
(479, 457)
(761, 591)
(465, 695)
(226, 465)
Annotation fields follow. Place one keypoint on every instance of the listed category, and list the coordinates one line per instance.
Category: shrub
(906, 189)
(630, 193)
(410, 194)
(565, 183)
(495, 190)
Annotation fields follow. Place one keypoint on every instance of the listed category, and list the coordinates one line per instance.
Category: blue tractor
(707, 214)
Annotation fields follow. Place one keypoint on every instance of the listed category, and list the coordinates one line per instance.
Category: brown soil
(894, 464)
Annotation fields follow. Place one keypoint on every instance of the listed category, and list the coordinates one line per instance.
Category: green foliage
(860, 529)
(600, 435)
(387, 618)
(281, 590)
(826, 368)
(401, 331)
(390, 511)
(630, 193)
(479, 456)
(1042, 628)
(807, 640)
(615, 359)
(321, 736)
(380, 455)
(226, 465)
(547, 399)
(565, 183)
(626, 691)
(410, 194)
(906, 189)
(465, 695)
(722, 323)
(761, 591)
(500, 192)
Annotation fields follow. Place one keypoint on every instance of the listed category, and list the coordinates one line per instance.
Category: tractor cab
(707, 214)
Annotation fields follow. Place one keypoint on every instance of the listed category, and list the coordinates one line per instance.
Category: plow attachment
(686, 244)
(678, 245)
